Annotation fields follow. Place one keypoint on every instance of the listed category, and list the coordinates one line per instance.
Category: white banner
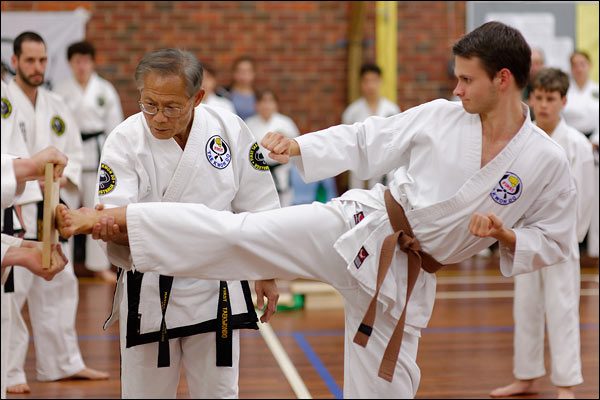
(58, 29)
(539, 29)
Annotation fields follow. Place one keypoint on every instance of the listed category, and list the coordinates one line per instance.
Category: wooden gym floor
(464, 353)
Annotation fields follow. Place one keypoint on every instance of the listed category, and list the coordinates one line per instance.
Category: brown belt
(417, 259)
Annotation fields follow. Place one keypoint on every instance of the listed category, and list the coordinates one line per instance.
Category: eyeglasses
(169, 112)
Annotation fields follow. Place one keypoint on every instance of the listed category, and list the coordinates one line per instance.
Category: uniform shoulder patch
(107, 180)
(257, 159)
(58, 125)
(218, 152)
(508, 189)
(6, 108)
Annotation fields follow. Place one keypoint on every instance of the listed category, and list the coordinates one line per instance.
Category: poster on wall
(58, 29)
(539, 29)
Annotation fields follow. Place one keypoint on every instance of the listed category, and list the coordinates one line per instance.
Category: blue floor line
(318, 365)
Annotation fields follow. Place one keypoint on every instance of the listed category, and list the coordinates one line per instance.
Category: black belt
(223, 325)
(165, 283)
(272, 168)
(90, 135)
(224, 330)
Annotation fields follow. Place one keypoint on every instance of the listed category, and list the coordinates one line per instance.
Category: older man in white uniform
(52, 306)
(177, 150)
(96, 107)
(477, 174)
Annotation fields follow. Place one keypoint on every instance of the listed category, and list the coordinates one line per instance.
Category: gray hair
(171, 62)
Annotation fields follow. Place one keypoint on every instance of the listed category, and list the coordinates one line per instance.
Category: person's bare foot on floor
(565, 393)
(90, 374)
(517, 387)
(18, 389)
(106, 276)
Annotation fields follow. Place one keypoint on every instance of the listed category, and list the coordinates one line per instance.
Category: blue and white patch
(107, 180)
(218, 152)
(508, 190)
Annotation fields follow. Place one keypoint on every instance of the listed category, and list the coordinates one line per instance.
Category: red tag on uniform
(359, 216)
(360, 257)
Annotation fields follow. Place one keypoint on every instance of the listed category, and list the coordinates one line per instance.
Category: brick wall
(300, 46)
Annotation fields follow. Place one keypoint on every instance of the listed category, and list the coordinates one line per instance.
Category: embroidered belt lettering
(224, 329)
(165, 283)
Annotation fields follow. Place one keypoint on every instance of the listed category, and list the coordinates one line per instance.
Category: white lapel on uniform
(477, 185)
(193, 150)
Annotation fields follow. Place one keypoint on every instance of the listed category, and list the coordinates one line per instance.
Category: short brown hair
(551, 80)
(498, 46)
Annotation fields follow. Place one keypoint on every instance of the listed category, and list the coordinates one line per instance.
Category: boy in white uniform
(371, 103)
(178, 150)
(477, 174)
(96, 107)
(553, 292)
(52, 306)
(581, 112)
(268, 119)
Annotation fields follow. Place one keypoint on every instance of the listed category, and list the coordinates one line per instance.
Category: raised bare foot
(565, 393)
(73, 222)
(18, 389)
(90, 374)
(517, 387)
(107, 276)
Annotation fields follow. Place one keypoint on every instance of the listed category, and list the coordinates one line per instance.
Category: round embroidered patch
(107, 180)
(508, 189)
(58, 125)
(218, 152)
(257, 159)
(6, 108)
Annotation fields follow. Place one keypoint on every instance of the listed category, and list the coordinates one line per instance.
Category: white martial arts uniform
(52, 305)
(13, 143)
(358, 111)
(9, 183)
(220, 168)
(581, 110)
(436, 148)
(281, 172)
(97, 110)
(9, 186)
(217, 101)
(552, 294)
(593, 239)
